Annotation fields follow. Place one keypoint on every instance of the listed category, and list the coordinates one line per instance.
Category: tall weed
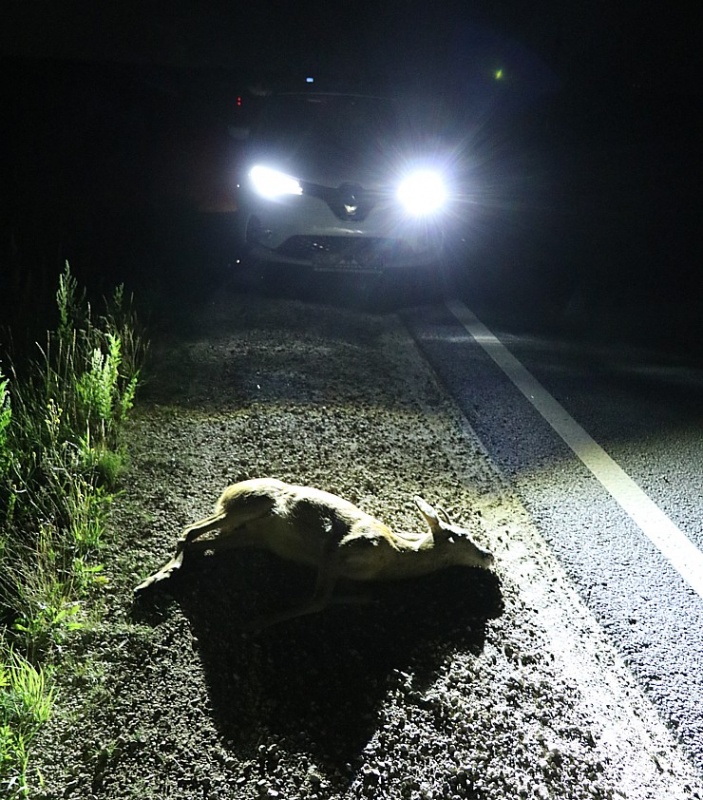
(26, 698)
(5, 420)
(60, 459)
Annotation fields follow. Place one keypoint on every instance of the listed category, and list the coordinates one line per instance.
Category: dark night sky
(609, 168)
(654, 46)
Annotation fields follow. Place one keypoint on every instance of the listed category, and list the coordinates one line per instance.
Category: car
(335, 182)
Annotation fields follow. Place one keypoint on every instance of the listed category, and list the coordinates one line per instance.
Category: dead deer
(323, 531)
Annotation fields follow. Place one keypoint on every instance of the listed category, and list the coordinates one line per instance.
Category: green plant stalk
(59, 456)
(6, 455)
(26, 700)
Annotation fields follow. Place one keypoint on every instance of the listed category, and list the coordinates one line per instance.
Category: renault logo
(349, 201)
(348, 195)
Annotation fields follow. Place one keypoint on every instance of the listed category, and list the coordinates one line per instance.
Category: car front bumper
(304, 231)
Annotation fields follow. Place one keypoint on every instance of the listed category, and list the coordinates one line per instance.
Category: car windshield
(346, 118)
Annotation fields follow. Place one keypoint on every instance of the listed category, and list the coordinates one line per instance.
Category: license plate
(329, 262)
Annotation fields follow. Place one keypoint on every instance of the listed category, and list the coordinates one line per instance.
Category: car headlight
(422, 193)
(271, 183)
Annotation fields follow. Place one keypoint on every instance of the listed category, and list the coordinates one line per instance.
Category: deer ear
(444, 515)
(428, 513)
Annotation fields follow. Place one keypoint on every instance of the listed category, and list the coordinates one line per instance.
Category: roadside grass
(61, 457)
(26, 698)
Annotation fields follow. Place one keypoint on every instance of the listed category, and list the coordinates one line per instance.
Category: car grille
(321, 250)
(349, 201)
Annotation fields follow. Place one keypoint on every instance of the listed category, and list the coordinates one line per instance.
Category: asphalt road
(645, 410)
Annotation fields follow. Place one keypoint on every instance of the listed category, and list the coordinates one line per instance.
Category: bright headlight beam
(422, 193)
(271, 183)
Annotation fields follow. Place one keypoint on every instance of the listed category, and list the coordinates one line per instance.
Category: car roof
(330, 94)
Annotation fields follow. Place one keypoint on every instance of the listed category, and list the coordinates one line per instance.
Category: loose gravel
(465, 684)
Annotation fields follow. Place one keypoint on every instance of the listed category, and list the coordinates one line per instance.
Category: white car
(335, 183)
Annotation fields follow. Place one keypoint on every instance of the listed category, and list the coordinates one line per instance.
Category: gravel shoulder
(461, 685)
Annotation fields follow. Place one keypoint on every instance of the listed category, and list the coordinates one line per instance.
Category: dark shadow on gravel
(316, 683)
(369, 292)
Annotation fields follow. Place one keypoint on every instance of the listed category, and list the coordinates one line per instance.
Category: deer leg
(236, 540)
(175, 563)
(230, 523)
(197, 529)
(327, 575)
(162, 574)
(192, 546)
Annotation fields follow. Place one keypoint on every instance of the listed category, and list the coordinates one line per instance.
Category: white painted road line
(673, 544)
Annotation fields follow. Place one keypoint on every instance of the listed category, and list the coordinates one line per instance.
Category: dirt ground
(465, 684)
